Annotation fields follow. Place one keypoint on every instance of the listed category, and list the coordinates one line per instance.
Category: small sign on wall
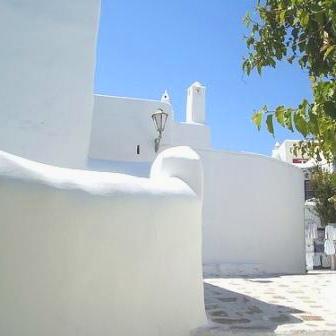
(297, 160)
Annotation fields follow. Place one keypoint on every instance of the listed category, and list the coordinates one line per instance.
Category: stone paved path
(281, 304)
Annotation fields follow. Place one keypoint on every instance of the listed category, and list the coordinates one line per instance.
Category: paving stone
(254, 328)
(279, 297)
(280, 319)
(253, 310)
(227, 299)
(211, 306)
(311, 318)
(218, 313)
(230, 320)
(295, 311)
(284, 304)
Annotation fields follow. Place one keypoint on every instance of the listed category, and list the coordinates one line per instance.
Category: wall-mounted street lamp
(159, 117)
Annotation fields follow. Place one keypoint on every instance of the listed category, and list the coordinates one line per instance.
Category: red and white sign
(296, 160)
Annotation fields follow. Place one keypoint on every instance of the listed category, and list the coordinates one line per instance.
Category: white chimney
(165, 97)
(276, 151)
(196, 104)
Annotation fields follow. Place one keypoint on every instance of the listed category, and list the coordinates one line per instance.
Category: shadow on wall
(233, 311)
(140, 169)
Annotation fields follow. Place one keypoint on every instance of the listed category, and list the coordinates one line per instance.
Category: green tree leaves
(329, 51)
(257, 119)
(324, 186)
(280, 115)
(269, 124)
(302, 31)
(300, 123)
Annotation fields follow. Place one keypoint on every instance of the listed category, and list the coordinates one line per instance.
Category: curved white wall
(87, 253)
(253, 215)
(46, 82)
(181, 162)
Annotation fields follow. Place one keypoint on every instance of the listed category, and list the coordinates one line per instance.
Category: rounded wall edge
(181, 162)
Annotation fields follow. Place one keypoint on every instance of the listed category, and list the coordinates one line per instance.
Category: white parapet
(89, 253)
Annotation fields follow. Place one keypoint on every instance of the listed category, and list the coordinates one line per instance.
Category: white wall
(96, 254)
(190, 134)
(253, 205)
(46, 83)
(253, 215)
(121, 124)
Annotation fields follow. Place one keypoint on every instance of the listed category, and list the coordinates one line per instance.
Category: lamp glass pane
(155, 119)
(164, 120)
(160, 119)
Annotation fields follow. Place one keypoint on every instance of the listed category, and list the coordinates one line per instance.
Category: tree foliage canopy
(324, 186)
(302, 31)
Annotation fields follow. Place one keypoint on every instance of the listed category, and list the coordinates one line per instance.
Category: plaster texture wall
(191, 134)
(181, 162)
(121, 124)
(47, 71)
(90, 253)
(140, 169)
(253, 205)
(253, 215)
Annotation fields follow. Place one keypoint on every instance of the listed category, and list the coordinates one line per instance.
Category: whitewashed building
(314, 231)
(239, 211)
(83, 252)
(284, 152)
(252, 221)
(123, 132)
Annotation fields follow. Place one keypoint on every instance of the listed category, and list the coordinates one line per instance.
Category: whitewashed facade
(49, 114)
(314, 231)
(249, 215)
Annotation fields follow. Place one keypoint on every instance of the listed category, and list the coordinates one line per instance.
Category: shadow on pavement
(232, 311)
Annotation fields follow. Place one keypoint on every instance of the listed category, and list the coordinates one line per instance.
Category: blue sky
(147, 46)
